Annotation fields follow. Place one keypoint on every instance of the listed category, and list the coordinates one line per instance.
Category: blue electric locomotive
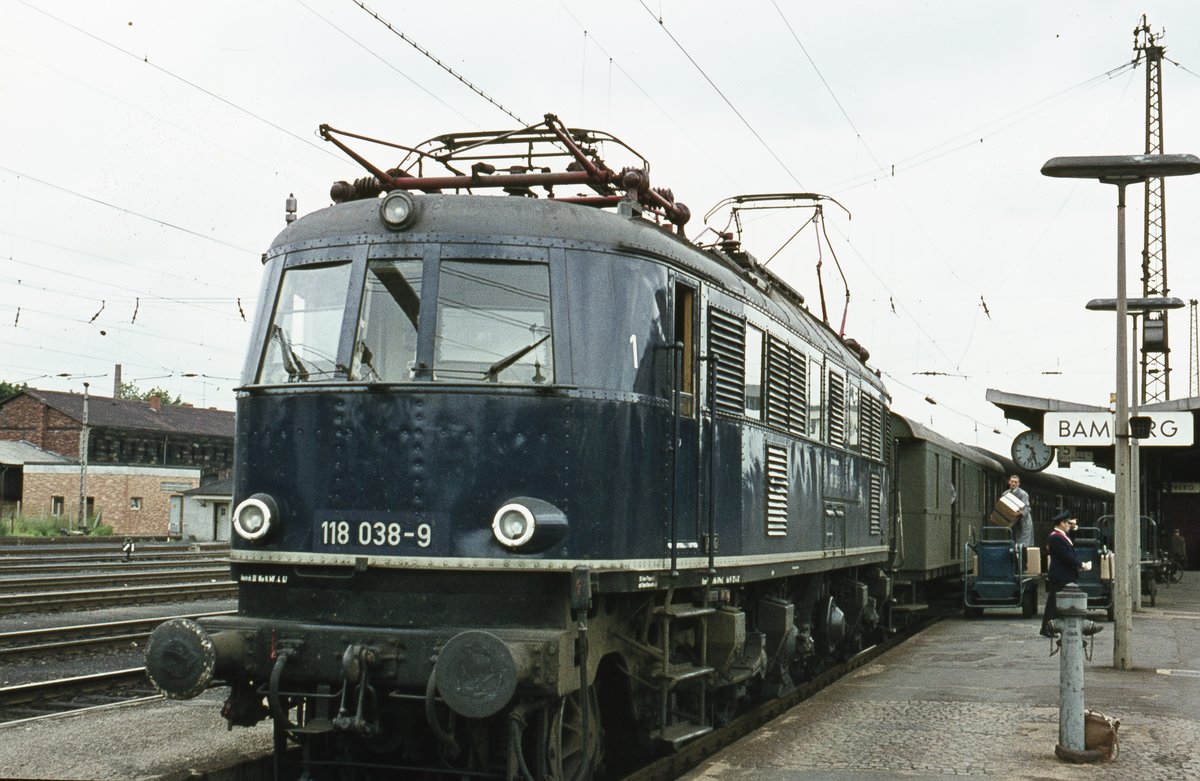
(518, 478)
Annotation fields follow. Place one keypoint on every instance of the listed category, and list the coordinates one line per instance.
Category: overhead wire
(140, 295)
(125, 209)
(682, 130)
(377, 56)
(436, 61)
(182, 80)
(662, 26)
(999, 127)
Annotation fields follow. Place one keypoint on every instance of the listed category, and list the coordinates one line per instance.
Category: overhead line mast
(1156, 346)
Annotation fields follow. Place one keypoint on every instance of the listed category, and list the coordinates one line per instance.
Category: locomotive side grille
(837, 410)
(777, 490)
(727, 341)
(872, 427)
(787, 387)
(875, 502)
(779, 384)
(799, 386)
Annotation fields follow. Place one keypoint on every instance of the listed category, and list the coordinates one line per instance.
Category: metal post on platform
(1072, 607)
(1122, 171)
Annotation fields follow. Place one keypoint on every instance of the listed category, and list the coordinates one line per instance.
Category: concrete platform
(979, 697)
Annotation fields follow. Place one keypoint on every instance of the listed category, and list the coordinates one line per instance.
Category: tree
(133, 393)
(10, 389)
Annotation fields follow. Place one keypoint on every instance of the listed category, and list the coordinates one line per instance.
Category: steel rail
(79, 636)
(66, 600)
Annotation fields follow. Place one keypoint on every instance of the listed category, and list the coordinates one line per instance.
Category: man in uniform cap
(1065, 565)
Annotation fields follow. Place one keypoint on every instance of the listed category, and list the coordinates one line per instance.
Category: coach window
(753, 376)
(385, 347)
(302, 342)
(493, 323)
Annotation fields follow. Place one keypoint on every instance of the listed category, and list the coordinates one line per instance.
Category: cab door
(684, 536)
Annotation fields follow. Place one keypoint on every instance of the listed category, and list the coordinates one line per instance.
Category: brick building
(122, 431)
(141, 457)
(145, 500)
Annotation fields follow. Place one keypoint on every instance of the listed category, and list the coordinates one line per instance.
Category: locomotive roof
(549, 222)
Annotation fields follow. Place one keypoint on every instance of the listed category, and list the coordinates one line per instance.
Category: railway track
(70, 581)
(29, 701)
(33, 565)
(83, 637)
(52, 601)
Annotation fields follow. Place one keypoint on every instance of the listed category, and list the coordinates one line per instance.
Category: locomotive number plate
(373, 534)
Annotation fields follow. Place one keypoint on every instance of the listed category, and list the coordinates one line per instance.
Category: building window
(56, 506)
(135, 503)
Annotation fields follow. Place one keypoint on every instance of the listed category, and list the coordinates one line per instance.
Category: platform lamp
(1122, 170)
(1135, 307)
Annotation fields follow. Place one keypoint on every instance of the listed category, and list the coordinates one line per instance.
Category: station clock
(1031, 452)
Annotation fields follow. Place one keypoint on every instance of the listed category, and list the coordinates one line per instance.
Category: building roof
(128, 414)
(20, 452)
(222, 488)
(1031, 409)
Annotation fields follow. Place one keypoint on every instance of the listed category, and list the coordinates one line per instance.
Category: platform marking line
(1181, 673)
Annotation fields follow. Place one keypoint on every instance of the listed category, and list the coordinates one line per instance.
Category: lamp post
(1122, 170)
(1135, 307)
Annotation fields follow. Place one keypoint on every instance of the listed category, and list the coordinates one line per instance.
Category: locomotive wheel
(565, 749)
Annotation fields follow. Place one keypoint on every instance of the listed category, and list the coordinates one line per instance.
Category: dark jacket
(1064, 561)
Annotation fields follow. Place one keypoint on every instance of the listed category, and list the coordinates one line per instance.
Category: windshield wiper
(292, 364)
(512, 358)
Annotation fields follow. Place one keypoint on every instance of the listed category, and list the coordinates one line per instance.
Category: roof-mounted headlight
(255, 517)
(398, 209)
(528, 524)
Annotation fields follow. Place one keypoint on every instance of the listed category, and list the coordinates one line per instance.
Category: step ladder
(676, 726)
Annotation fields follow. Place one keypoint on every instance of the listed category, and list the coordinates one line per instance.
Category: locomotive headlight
(513, 525)
(398, 209)
(528, 523)
(255, 517)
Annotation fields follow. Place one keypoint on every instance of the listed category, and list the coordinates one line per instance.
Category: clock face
(1031, 452)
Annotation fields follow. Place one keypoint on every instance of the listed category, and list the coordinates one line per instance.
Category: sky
(149, 147)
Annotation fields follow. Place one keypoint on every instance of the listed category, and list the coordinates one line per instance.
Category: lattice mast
(1156, 348)
(1193, 351)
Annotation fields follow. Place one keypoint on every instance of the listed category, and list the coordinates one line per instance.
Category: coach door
(956, 473)
(683, 538)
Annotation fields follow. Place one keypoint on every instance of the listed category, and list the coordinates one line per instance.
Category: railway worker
(1023, 528)
(127, 548)
(1179, 549)
(1065, 565)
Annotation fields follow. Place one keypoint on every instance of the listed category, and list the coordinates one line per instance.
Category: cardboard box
(1008, 510)
(1033, 561)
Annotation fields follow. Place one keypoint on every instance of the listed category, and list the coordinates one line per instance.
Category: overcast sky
(148, 148)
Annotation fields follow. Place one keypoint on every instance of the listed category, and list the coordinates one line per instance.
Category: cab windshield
(302, 340)
(493, 323)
